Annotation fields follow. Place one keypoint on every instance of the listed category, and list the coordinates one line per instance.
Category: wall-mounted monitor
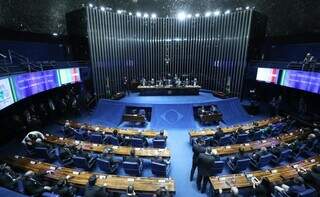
(268, 75)
(6, 96)
(302, 80)
(69, 75)
(32, 83)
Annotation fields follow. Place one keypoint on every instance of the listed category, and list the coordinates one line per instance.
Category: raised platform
(174, 112)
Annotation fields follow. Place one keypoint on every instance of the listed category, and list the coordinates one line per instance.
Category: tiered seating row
(278, 174)
(80, 178)
(100, 148)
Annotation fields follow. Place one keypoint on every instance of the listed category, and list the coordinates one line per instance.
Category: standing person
(197, 149)
(126, 86)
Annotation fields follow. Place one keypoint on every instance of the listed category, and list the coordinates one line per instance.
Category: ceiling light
(138, 14)
(189, 15)
(153, 15)
(102, 8)
(216, 13)
(130, 13)
(181, 16)
(207, 14)
(90, 5)
(145, 15)
(227, 12)
(197, 15)
(247, 8)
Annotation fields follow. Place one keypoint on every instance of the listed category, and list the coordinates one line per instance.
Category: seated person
(32, 136)
(118, 136)
(218, 134)
(92, 190)
(295, 146)
(262, 187)
(162, 192)
(312, 177)
(40, 143)
(310, 140)
(8, 177)
(160, 160)
(83, 130)
(80, 153)
(66, 153)
(108, 156)
(277, 150)
(144, 139)
(64, 189)
(33, 184)
(295, 188)
(67, 130)
(213, 109)
(201, 110)
(256, 156)
(239, 155)
(160, 136)
(132, 157)
(130, 191)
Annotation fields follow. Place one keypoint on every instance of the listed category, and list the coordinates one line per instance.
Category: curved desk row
(80, 178)
(100, 148)
(278, 174)
(256, 145)
(258, 124)
(108, 130)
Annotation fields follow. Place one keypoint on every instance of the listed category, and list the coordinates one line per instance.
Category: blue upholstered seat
(284, 155)
(239, 165)
(160, 169)
(44, 153)
(105, 166)
(81, 162)
(159, 143)
(262, 161)
(132, 168)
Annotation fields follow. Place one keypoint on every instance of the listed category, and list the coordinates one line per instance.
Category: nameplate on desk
(295, 166)
(75, 173)
(246, 144)
(228, 147)
(312, 160)
(33, 162)
(264, 141)
(95, 145)
(161, 181)
(249, 175)
(291, 134)
(160, 150)
(16, 157)
(137, 148)
(47, 134)
(53, 167)
(102, 177)
(76, 142)
(60, 138)
(274, 171)
(115, 147)
(130, 180)
(222, 178)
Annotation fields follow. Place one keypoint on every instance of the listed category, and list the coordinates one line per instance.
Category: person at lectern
(126, 86)
(195, 81)
(143, 82)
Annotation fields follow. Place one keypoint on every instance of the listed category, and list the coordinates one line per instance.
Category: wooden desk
(134, 118)
(168, 90)
(80, 178)
(211, 132)
(278, 174)
(108, 130)
(210, 117)
(257, 145)
(100, 148)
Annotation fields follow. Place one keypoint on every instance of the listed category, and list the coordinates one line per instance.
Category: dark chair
(284, 155)
(258, 135)
(159, 143)
(113, 140)
(105, 166)
(217, 167)
(96, 138)
(310, 149)
(64, 162)
(137, 142)
(132, 168)
(81, 162)
(242, 138)
(43, 152)
(50, 194)
(208, 141)
(160, 169)
(295, 155)
(310, 192)
(262, 161)
(225, 140)
(239, 165)
(79, 135)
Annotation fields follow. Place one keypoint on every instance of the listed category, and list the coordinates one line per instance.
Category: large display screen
(302, 80)
(269, 75)
(6, 97)
(69, 75)
(32, 83)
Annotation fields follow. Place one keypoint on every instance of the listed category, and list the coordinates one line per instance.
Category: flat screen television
(268, 75)
(6, 96)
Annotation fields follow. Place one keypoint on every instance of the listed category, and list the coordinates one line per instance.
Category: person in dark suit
(143, 138)
(219, 134)
(239, 155)
(116, 134)
(256, 156)
(312, 177)
(277, 150)
(82, 153)
(297, 187)
(108, 156)
(162, 192)
(91, 190)
(8, 178)
(205, 162)
(197, 148)
(160, 160)
(33, 184)
(160, 136)
(295, 146)
(66, 153)
(130, 191)
(64, 189)
(133, 157)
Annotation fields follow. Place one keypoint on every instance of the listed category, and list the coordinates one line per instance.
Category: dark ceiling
(286, 17)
